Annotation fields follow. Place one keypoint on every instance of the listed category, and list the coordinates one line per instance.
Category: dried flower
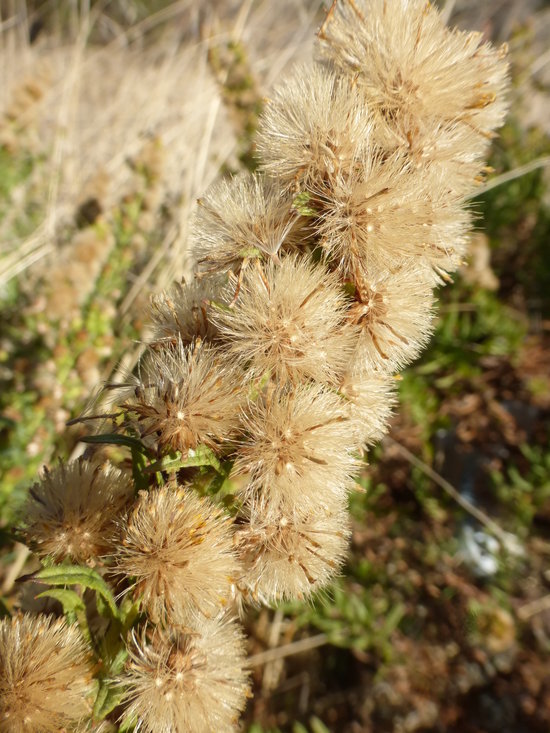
(45, 675)
(185, 397)
(315, 126)
(71, 512)
(371, 400)
(289, 557)
(425, 80)
(394, 309)
(190, 680)
(184, 311)
(288, 321)
(384, 212)
(298, 452)
(240, 219)
(179, 548)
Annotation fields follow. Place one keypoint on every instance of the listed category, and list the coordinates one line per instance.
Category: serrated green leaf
(78, 575)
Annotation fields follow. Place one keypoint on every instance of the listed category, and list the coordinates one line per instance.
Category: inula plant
(264, 381)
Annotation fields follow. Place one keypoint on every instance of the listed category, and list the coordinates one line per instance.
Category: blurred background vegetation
(114, 118)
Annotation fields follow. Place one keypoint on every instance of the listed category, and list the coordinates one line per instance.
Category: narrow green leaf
(317, 726)
(70, 600)
(201, 456)
(78, 575)
(107, 700)
(116, 439)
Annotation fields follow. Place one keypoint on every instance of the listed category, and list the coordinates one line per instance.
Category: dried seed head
(394, 310)
(240, 219)
(185, 397)
(179, 548)
(315, 125)
(422, 77)
(191, 680)
(289, 557)
(298, 452)
(184, 311)
(45, 675)
(71, 512)
(371, 399)
(384, 212)
(288, 321)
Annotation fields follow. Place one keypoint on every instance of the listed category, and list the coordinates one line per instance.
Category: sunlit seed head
(299, 444)
(191, 679)
(288, 321)
(421, 77)
(242, 219)
(71, 512)
(178, 548)
(289, 557)
(370, 399)
(45, 675)
(185, 396)
(315, 125)
(394, 310)
(386, 212)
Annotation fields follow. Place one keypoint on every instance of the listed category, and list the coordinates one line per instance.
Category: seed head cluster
(267, 376)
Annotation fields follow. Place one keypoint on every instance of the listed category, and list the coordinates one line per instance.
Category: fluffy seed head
(371, 399)
(394, 310)
(315, 125)
(288, 320)
(185, 397)
(384, 212)
(179, 548)
(298, 452)
(45, 675)
(243, 218)
(421, 76)
(291, 557)
(184, 311)
(71, 512)
(190, 680)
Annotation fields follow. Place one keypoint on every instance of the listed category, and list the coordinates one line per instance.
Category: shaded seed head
(289, 321)
(191, 679)
(184, 312)
(45, 675)
(179, 548)
(71, 512)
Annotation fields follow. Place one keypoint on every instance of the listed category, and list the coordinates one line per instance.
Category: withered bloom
(185, 396)
(179, 549)
(188, 680)
(288, 322)
(45, 675)
(71, 512)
